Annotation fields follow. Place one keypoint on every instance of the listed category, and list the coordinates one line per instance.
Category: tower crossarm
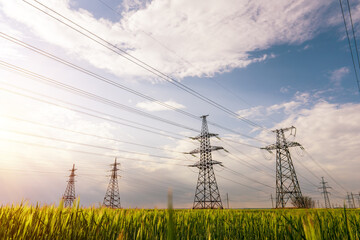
(213, 148)
(286, 129)
(204, 135)
(281, 146)
(294, 144)
(205, 164)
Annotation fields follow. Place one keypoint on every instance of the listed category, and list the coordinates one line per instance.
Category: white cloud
(251, 112)
(300, 99)
(213, 36)
(306, 47)
(284, 89)
(154, 107)
(337, 75)
(330, 133)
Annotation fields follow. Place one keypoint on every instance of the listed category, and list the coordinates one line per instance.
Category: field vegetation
(51, 222)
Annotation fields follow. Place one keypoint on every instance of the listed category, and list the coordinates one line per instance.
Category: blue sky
(279, 64)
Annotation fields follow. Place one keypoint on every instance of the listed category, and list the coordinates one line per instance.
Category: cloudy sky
(85, 81)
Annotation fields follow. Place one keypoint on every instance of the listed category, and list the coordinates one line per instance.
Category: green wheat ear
(170, 218)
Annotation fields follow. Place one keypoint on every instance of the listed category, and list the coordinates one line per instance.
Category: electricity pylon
(207, 193)
(353, 200)
(325, 193)
(112, 196)
(287, 184)
(350, 201)
(69, 195)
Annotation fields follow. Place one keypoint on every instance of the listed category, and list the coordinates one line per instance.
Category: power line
(237, 150)
(27, 170)
(89, 95)
(354, 36)
(181, 58)
(352, 56)
(248, 164)
(87, 134)
(85, 152)
(146, 33)
(15, 155)
(244, 185)
(101, 78)
(244, 144)
(89, 145)
(142, 64)
(304, 166)
(246, 177)
(92, 74)
(327, 173)
(89, 114)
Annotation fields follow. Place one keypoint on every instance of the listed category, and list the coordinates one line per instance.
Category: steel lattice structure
(112, 196)
(325, 193)
(69, 195)
(207, 193)
(287, 185)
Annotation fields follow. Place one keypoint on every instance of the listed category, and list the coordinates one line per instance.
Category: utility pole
(112, 196)
(227, 200)
(325, 193)
(349, 201)
(272, 201)
(353, 201)
(207, 193)
(69, 195)
(287, 185)
(358, 196)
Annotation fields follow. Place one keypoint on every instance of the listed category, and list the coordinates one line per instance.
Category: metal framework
(69, 195)
(325, 192)
(350, 200)
(112, 196)
(207, 193)
(287, 185)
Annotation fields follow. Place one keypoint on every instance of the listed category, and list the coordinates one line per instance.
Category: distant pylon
(325, 193)
(112, 196)
(69, 195)
(350, 204)
(287, 185)
(353, 200)
(207, 193)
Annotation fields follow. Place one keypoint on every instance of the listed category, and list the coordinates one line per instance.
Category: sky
(83, 82)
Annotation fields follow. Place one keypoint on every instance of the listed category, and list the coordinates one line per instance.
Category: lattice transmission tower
(69, 195)
(325, 192)
(207, 193)
(112, 196)
(349, 200)
(287, 184)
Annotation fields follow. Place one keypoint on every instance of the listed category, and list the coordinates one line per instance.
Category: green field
(25, 222)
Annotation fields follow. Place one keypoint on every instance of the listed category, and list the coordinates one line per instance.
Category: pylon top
(204, 116)
(115, 163)
(285, 129)
(73, 168)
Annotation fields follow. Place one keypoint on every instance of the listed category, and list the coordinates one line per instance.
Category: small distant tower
(350, 202)
(112, 196)
(325, 192)
(69, 195)
(207, 193)
(353, 200)
(287, 185)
